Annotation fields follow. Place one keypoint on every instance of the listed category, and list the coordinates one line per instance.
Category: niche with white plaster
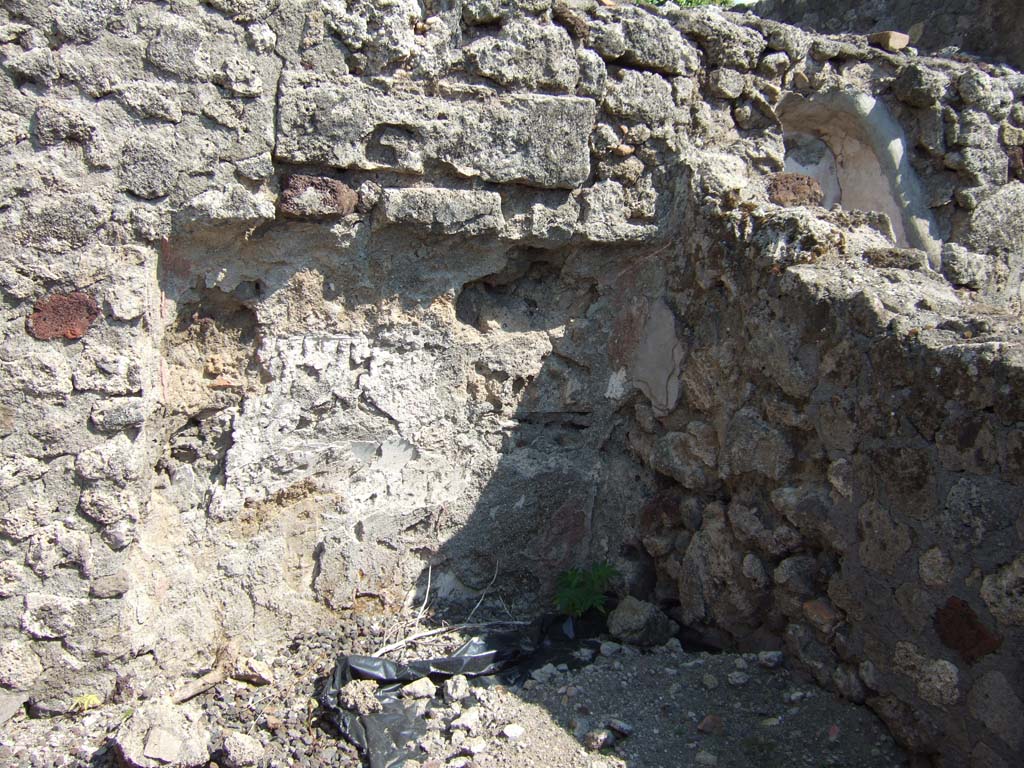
(855, 149)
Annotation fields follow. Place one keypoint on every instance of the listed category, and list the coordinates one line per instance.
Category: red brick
(711, 724)
(62, 315)
(316, 197)
(960, 629)
(821, 615)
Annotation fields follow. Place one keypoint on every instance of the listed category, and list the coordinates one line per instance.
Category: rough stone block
(245, 11)
(640, 623)
(606, 217)
(530, 139)
(642, 96)
(242, 750)
(159, 733)
(50, 617)
(10, 705)
(937, 679)
(821, 615)
(111, 585)
(232, 203)
(919, 86)
(444, 211)
(753, 446)
(726, 83)
(993, 701)
(896, 258)
(19, 665)
(107, 505)
(963, 268)
(526, 54)
(725, 44)
(148, 166)
(652, 43)
(935, 568)
(671, 456)
(119, 413)
(994, 229)
(1003, 592)
(884, 541)
(180, 48)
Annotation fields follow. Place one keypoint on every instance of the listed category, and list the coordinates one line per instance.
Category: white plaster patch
(658, 360)
(617, 384)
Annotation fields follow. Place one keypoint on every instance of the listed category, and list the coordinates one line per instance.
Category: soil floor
(608, 706)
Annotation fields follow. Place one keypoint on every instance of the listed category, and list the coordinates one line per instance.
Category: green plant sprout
(579, 590)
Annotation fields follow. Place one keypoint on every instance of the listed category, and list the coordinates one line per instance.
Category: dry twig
(441, 631)
(484, 593)
(426, 597)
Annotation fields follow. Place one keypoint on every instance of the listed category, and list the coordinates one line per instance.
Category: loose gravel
(620, 707)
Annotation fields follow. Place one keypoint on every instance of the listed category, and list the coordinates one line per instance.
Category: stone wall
(982, 27)
(304, 301)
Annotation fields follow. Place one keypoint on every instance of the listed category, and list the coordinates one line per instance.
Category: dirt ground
(606, 706)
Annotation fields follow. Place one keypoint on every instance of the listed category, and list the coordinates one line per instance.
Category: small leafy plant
(580, 589)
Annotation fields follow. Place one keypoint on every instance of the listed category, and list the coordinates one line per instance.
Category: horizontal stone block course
(446, 211)
(531, 139)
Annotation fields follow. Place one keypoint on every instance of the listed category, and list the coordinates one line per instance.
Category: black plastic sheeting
(388, 738)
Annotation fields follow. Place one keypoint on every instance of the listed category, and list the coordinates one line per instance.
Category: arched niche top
(850, 142)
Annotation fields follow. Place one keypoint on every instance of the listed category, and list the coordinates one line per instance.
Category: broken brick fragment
(62, 315)
(890, 40)
(960, 629)
(821, 615)
(711, 724)
(790, 189)
(317, 197)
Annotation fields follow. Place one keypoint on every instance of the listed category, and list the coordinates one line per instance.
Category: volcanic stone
(317, 197)
(791, 189)
(635, 621)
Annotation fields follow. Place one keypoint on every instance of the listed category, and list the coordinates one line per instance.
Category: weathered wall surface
(982, 27)
(301, 299)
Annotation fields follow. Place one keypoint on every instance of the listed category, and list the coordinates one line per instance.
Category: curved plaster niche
(850, 143)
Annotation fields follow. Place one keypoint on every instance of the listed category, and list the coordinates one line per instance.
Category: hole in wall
(216, 330)
(209, 353)
(528, 295)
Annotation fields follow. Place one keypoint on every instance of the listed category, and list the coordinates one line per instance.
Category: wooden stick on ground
(223, 666)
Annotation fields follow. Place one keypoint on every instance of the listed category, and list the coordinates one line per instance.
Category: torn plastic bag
(481, 655)
(389, 737)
